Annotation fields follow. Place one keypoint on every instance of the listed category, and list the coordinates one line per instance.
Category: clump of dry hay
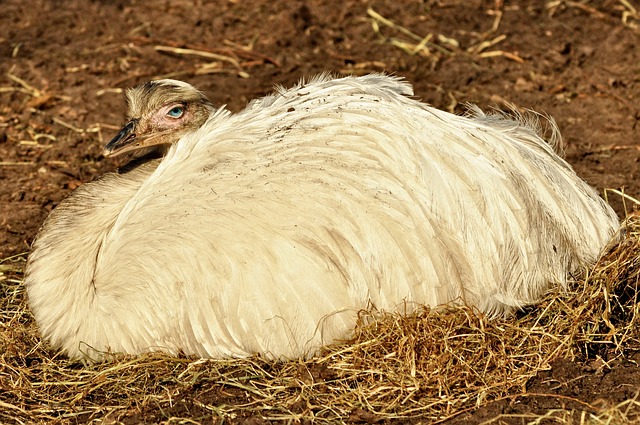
(432, 365)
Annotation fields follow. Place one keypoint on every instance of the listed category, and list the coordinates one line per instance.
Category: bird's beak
(124, 141)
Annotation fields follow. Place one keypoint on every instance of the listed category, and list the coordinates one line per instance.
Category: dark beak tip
(124, 138)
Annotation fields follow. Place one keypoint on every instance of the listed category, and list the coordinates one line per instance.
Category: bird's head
(159, 113)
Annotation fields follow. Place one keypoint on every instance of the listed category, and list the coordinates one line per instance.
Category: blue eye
(176, 112)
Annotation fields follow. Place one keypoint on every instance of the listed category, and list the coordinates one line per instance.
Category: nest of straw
(432, 365)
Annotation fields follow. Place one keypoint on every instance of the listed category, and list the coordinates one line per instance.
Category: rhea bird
(268, 230)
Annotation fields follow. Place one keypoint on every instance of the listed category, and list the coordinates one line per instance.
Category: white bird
(266, 231)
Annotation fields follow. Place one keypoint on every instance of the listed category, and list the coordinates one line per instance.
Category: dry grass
(433, 365)
(436, 46)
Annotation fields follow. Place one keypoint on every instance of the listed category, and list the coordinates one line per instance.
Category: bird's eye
(176, 112)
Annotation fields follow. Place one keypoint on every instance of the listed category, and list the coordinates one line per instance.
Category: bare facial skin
(159, 113)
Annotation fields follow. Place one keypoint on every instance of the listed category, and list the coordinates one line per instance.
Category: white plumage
(267, 230)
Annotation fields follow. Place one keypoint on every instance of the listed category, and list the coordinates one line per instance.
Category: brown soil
(60, 63)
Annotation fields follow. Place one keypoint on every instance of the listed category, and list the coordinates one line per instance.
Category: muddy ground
(63, 65)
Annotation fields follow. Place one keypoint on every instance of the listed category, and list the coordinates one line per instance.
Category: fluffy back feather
(267, 230)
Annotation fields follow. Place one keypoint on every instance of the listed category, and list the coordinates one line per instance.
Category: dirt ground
(63, 65)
